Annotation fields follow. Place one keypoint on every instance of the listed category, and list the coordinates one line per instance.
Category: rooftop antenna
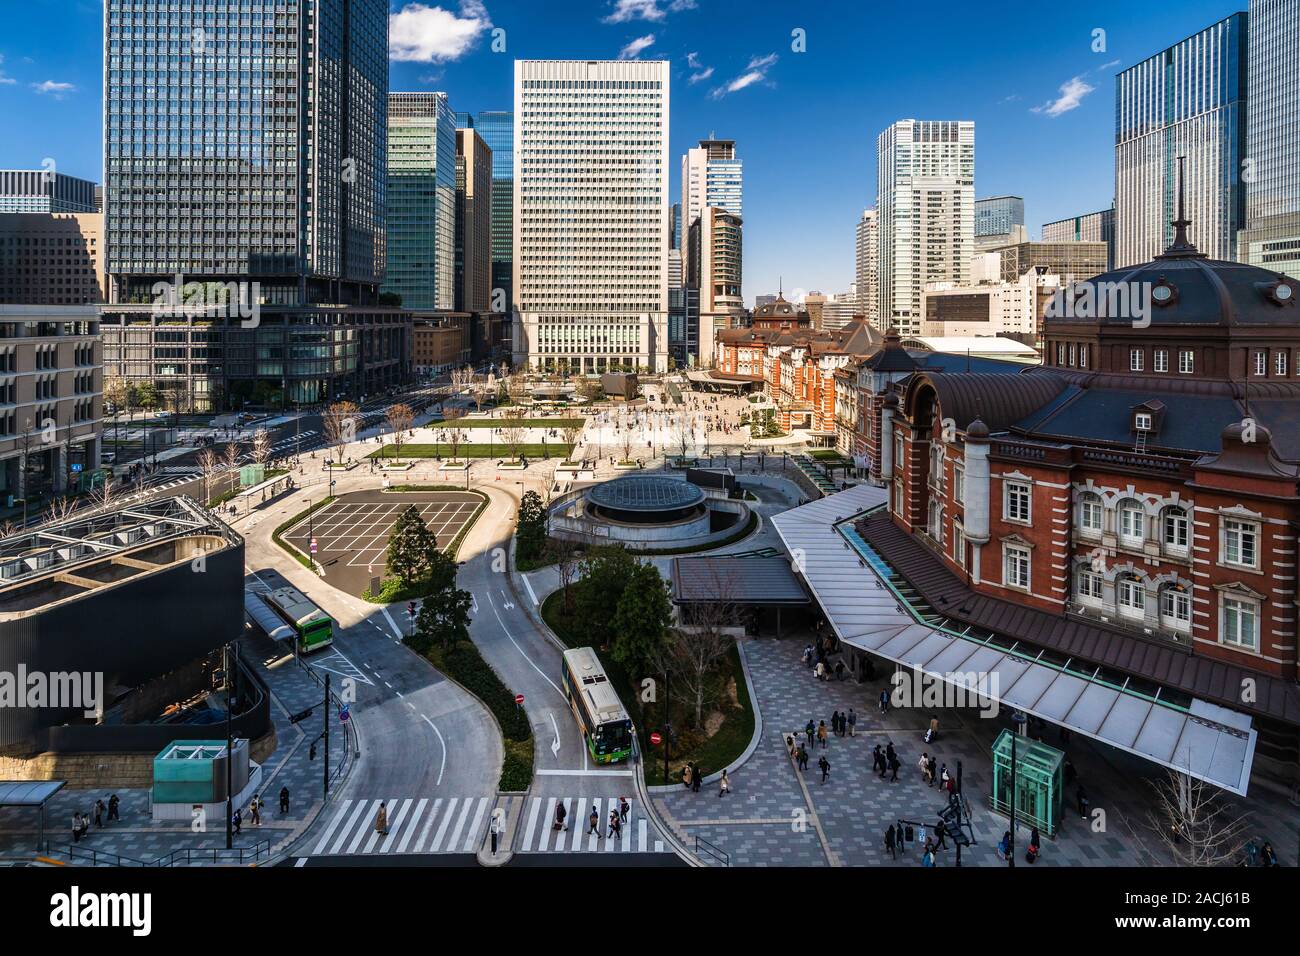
(1182, 246)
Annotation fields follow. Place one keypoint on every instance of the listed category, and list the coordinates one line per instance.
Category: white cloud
(755, 72)
(57, 90)
(5, 79)
(1108, 65)
(692, 60)
(1073, 91)
(627, 10)
(701, 76)
(422, 34)
(633, 49)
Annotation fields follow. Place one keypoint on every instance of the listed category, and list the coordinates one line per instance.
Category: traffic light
(301, 715)
(311, 754)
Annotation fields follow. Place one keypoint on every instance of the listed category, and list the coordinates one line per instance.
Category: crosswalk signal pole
(326, 717)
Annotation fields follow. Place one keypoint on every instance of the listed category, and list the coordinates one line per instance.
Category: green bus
(315, 628)
(606, 727)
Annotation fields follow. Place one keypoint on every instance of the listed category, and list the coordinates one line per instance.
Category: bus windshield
(613, 737)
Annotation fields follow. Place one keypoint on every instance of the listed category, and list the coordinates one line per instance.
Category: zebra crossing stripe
(329, 831)
(634, 836)
(446, 819)
(532, 820)
(460, 825)
(416, 814)
(361, 806)
(473, 827)
(395, 825)
(428, 825)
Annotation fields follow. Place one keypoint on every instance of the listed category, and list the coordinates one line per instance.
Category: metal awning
(28, 793)
(265, 618)
(1205, 741)
(730, 580)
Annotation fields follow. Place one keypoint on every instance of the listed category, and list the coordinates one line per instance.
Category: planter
(404, 466)
(335, 466)
(454, 466)
(511, 465)
(627, 466)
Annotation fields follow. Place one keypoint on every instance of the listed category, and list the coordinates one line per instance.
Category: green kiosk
(1039, 783)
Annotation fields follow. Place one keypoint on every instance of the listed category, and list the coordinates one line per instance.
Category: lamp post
(230, 752)
(1018, 719)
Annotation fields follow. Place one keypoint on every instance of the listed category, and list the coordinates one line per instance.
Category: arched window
(1176, 529)
(1130, 596)
(1175, 608)
(1131, 522)
(1090, 513)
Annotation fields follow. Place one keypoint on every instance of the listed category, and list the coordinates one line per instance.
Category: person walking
(853, 720)
(821, 733)
(99, 814)
(924, 766)
(825, 766)
(891, 842)
(686, 776)
(1004, 845)
(835, 723)
(76, 827)
(724, 787)
(560, 814)
(878, 761)
(255, 811)
(803, 758)
(697, 777)
(894, 763)
(237, 820)
(624, 809)
(940, 831)
(884, 702)
(593, 821)
(113, 805)
(381, 819)
(934, 773)
(1032, 851)
(811, 731)
(615, 825)
(927, 858)
(943, 776)
(1081, 797)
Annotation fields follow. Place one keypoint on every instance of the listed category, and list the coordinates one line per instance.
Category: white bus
(606, 727)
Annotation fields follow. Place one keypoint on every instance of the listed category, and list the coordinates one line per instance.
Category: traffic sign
(519, 699)
(344, 714)
(313, 545)
(410, 608)
(656, 739)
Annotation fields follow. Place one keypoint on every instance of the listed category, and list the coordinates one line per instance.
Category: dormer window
(1142, 422)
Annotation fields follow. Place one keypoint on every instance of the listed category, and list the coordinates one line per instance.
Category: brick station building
(1131, 503)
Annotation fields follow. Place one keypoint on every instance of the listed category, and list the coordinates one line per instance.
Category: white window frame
(1083, 355)
(1088, 503)
(1279, 362)
(1073, 353)
(1126, 507)
(1178, 601)
(1186, 361)
(1084, 585)
(958, 484)
(959, 542)
(1016, 557)
(934, 519)
(1136, 609)
(1142, 421)
(1237, 608)
(1135, 360)
(1160, 361)
(1010, 492)
(1239, 531)
(1175, 518)
(1261, 363)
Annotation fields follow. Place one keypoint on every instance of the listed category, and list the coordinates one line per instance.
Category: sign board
(519, 699)
(313, 545)
(656, 739)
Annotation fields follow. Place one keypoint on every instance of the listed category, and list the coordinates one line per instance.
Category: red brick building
(1132, 503)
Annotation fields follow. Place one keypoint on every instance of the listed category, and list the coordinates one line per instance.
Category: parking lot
(352, 533)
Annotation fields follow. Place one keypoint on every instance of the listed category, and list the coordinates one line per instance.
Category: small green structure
(194, 771)
(1039, 782)
(251, 475)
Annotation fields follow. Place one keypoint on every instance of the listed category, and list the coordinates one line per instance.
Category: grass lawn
(501, 423)
(711, 753)
(827, 454)
(482, 450)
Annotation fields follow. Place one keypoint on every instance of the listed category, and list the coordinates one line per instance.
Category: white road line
(510, 637)
(446, 821)
(443, 765)
(473, 827)
(416, 815)
(555, 744)
(465, 807)
(395, 825)
(596, 772)
(329, 831)
(428, 824)
(642, 832)
(374, 834)
(580, 824)
(359, 814)
(532, 596)
(532, 819)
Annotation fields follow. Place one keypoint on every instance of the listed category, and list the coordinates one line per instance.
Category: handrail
(712, 851)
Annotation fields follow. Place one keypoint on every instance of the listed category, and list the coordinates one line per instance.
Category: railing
(349, 737)
(77, 853)
(712, 854)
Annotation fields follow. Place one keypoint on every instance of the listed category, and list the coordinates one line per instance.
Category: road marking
(532, 819)
(442, 766)
(510, 637)
(531, 594)
(416, 815)
(555, 744)
(361, 806)
(473, 827)
(446, 821)
(329, 831)
(428, 825)
(594, 772)
(466, 806)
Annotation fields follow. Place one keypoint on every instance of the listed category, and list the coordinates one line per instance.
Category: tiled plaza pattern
(767, 820)
(139, 840)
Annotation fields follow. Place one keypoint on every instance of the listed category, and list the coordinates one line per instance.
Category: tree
(571, 435)
(641, 618)
(444, 615)
(512, 430)
(409, 546)
(453, 431)
(1196, 827)
(530, 527)
(339, 423)
(684, 429)
(208, 466)
(261, 449)
(564, 555)
(605, 572)
(625, 431)
(230, 462)
(692, 653)
(146, 396)
(399, 418)
(60, 509)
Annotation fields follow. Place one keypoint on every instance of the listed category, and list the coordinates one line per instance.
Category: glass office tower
(497, 127)
(1188, 100)
(1271, 238)
(996, 216)
(422, 201)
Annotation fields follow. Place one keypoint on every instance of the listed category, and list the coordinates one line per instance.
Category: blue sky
(805, 122)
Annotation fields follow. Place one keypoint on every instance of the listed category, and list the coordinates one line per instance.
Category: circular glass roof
(646, 493)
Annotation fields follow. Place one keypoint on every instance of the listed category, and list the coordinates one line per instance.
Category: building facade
(1010, 309)
(497, 127)
(1069, 260)
(591, 204)
(714, 257)
(473, 222)
(866, 267)
(999, 220)
(1091, 227)
(43, 190)
(1271, 167)
(1186, 101)
(712, 175)
(925, 200)
(421, 225)
(52, 258)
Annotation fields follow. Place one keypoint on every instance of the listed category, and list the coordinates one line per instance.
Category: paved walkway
(777, 816)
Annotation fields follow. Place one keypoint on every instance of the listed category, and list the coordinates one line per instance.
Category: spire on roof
(1182, 247)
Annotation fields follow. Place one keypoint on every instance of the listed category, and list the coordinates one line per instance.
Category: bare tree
(399, 418)
(693, 652)
(683, 430)
(261, 448)
(455, 434)
(102, 495)
(1194, 824)
(512, 430)
(8, 529)
(567, 563)
(230, 462)
(60, 509)
(571, 435)
(340, 425)
(625, 434)
(208, 466)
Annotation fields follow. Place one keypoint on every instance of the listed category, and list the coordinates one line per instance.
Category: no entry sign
(519, 699)
(656, 739)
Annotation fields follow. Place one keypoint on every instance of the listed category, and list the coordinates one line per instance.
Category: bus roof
(598, 693)
(296, 606)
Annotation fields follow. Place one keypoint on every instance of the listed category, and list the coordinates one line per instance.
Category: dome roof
(779, 308)
(646, 493)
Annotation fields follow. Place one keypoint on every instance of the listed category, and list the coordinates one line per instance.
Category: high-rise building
(497, 127)
(591, 204)
(925, 203)
(1186, 101)
(866, 271)
(995, 216)
(255, 174)
(41, 190)
(712, 175)
(675, 226)
(473, 222)
(715, 251)
(52, 258)
(1271, 166)
(422, 201)
(1091, 227)
(767, 298)
(1072, 261)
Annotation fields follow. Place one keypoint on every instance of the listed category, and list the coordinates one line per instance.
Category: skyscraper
(711, 176)
(591, 204)
(715, 251)
(497, 127)
(1271, 166)
(1188, 100)
(422, 201)
(473, 222)
(996, 215)
(1090, 227)
(866, 271)
(244, 147)
(925, 202)
(40, 190)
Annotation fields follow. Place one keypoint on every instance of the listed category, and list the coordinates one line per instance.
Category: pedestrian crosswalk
(415, 825)
(538, 835)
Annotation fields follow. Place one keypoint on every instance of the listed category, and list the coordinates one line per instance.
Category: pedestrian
(1004, 845)
(933, 771)
(927, 858)
(825, 766)
(284, 800)
(593, 821)
(112, 808)
(1032, 851)
(615, 825)
(924, 766)
(255, 811)
(381, 819)
(1081, 798)
(725, 784)
(76, 827)
(560, 814)
(853, 719)
(686, 776)
(933, 733)
(99, 814)
(884, 701)
(940, 831)
(835, 723)
(891, 841)
(624, 809)
(943, 776)
(821, 733)
(839, 669)
(790, 744)
(894, 765)
(1267, 857)
(820, 672)
(803, 759)
(697, 777)
(237, 820)
(810, 730)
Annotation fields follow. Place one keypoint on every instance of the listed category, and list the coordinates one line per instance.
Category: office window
(1132, 523)
(1016, 571)
(1016, 503)
(1175, 608)
(1239, 623)
(1130, 597)
(1240, 542)
(1186, 361)
(1161, 363)
(1090, 514)
(1176, 530)
(1135, 360)
(1090, 587)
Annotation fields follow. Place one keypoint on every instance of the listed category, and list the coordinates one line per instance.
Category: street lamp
(1018, 719)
